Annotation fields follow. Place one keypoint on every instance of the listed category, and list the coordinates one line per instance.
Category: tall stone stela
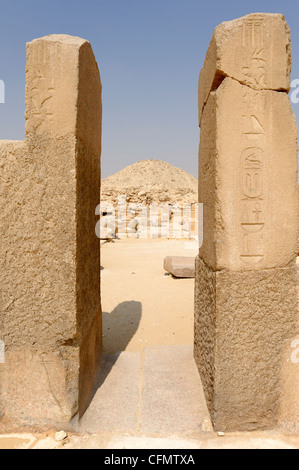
(50, 309)
(245, 294)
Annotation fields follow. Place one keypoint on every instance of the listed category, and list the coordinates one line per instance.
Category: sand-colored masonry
(245, 296)
(50, 258)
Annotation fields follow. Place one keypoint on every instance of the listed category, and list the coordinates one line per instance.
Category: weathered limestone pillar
(245, 299)
(50, 256)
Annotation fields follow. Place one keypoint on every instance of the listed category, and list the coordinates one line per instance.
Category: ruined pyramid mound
(151, 181)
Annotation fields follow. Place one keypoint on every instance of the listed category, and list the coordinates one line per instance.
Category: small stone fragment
(60, 436)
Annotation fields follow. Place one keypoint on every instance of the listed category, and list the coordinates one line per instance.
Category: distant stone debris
(150, 181)
(145, 185)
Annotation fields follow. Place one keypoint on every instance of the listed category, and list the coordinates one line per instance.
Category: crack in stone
(219, 79)
(52, 391)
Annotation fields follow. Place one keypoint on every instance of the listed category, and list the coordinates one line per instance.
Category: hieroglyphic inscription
(41, 89)
(254, 61)
(252, 178)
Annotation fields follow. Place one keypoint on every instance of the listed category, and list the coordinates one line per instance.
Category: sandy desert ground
(142, 304)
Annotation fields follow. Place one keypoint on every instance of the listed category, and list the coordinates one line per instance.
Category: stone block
(180, 266)
(50, 307)
(243, 49)
(246, 306)
(244, 320)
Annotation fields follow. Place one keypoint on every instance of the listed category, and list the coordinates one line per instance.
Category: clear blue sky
(149, 52)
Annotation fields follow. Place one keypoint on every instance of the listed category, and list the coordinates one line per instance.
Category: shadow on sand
(120, 326)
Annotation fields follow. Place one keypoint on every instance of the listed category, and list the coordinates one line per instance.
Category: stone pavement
(154, 391)
(149, 399)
